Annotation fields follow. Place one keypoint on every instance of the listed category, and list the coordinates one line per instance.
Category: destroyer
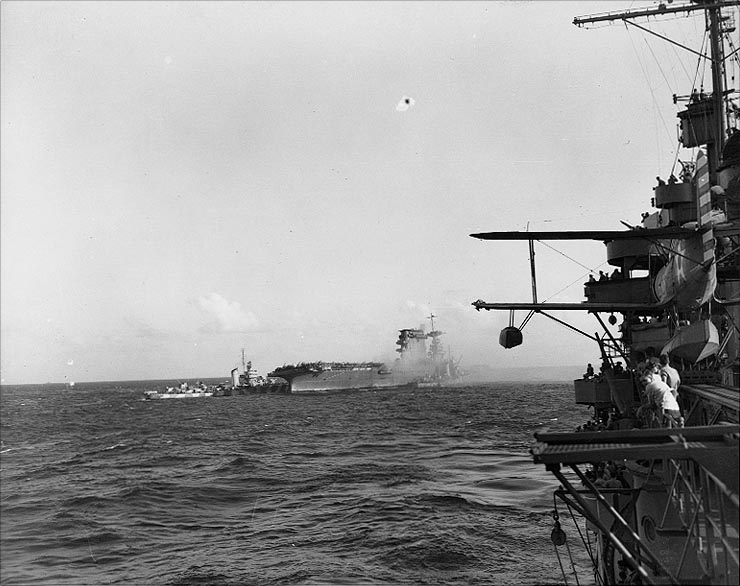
(660, 494)
(250, 381)
(416, 365)
(183, 391)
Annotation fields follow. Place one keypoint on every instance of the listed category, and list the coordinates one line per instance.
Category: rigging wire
(589, 269)
(589, 548)
(566, 256)
(668, 84)
(531, 313)
(700, 73)
(699, 63)
(702, 65)
(584, 540)
(647, 79)
(574, 282)
(691, 82)
(559, 537)
(734, 56)
(555, 517)
(572, 564)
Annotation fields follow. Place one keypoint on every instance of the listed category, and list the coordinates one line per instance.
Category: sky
(181, 180)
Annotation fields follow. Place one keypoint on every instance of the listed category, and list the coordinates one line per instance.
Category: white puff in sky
(405, 103)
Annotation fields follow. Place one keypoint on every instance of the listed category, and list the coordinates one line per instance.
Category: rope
(557, 530)
(562, 570)
(572, 565)
(558, 537)
(597, 576)
(583, 539)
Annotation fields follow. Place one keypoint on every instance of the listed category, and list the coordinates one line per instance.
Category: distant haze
(181, 180)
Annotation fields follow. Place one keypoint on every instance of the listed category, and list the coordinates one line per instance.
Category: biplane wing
(603, 235)
(585, 306)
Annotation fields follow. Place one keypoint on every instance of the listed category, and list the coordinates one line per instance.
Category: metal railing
(709, 511)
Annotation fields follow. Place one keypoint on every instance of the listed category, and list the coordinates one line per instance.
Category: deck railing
(709, 511)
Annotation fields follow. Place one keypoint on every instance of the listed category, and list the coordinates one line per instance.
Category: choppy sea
(424, 486)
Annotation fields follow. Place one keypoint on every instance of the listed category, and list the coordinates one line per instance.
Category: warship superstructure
(250, 381)
(658, 495)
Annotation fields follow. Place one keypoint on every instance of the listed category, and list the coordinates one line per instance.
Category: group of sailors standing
(658, 384)
(616, 275)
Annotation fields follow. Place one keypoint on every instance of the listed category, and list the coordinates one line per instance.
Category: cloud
(144, 330)
(229, 316)
(405, 103)
(412, 306)
(411, 310)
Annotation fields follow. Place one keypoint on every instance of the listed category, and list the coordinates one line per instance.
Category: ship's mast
(717, 127)
(718, 88)
(662, 9)
(435, 351)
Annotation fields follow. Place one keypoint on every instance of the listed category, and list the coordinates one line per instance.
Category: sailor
(669, 374)
(603, 276)
(660, 395)
(650, 357)
(646, 362)
(589, 372)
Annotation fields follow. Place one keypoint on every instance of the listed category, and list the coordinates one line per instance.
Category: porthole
(648, 527)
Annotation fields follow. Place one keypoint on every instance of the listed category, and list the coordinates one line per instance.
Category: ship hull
(415, 366)
(156, 396)
(350, 379)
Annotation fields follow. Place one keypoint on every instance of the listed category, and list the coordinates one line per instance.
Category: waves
(385, 487)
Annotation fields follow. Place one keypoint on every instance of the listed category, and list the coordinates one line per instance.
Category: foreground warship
(660, 498)
(416, 365)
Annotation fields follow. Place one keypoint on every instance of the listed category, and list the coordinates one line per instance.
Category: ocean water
(424, 486)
